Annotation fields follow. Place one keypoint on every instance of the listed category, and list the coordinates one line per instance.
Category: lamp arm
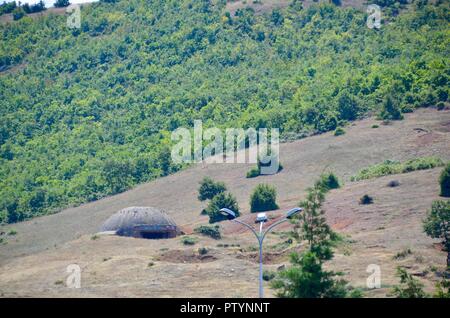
(248, 226)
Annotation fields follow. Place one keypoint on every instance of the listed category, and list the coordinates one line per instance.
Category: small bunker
(141, 222)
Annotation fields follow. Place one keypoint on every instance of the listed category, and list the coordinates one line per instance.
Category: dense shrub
(7, 7)
(187, 240)
(268, 275)
(409, 286)
(393, 183)
(328, 181)
(211, 231)
(444, 181)
(389, 167)
(263, 198)
(366, 199)
(390, 110)
(339, 131)
(222, 200)
(253, 172)
(208, 189)
(256, 171)
(18, 13)
(437, 224)
(202, 251)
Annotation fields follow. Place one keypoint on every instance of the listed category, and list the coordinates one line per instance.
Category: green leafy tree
(444, 181)
(221, 200)
(390, 109)
(307, 278)
(117, 175)
(314, 228)
(263, 198)
(61, 3)
(209, 189)
(437, 224)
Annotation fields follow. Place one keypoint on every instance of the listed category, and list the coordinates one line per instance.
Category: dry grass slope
(36, 258)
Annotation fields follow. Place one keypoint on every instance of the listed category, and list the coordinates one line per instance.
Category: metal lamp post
(261, 219)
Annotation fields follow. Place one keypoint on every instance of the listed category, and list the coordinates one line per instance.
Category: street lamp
(261, 218)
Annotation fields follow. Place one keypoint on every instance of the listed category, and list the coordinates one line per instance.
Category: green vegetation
(187, 240)
(444, 181)
(393, 183)
(208, 189)
(61, 3)
(402, 254)
(328, 181)
(306, 278)
(442, 289)
(366, 199)
(389, 167)
(256, 171)
(253, 172)
(216, 193)
(19, 11)
(339, 131)
(409, 286)
(268, 275)
(390, 110)
(211, 231)
(202, 251)
(222, 200)
(437, 224)
(263, 198)
(7, 7)
(88, 112)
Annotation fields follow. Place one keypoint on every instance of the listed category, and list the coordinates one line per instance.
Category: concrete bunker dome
(141, 222)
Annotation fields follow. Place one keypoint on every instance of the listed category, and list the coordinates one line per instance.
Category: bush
(187, 240)
(437, 224)
(339, 131)
(366, 199)
(375, 126)
(268, 275)
(211, 231)
(409, 286)
(256, 171)
(440, 105)
(393, 183)
(202, 251)
(328, 181)
(389, 167)
(18, 13)
(208, 189)
(222, 200)
(390, 110)
(444, 181)
(263, 198)
(253, 173)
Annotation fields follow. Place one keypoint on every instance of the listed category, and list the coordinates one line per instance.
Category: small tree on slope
(437, 224)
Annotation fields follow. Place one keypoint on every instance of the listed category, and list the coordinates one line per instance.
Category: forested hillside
(88, 112)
